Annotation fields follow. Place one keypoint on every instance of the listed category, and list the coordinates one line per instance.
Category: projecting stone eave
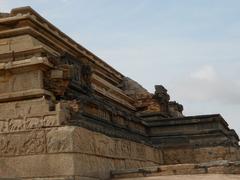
(26, 22)
(216, 124)
(29, 11)
(181, 120)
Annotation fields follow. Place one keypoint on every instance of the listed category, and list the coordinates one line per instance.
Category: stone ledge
(23, 95)
(214, 167)
(34, 61)
(190, 177)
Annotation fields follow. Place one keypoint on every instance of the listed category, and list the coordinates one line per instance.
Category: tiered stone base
(35, 143)
(70, 152)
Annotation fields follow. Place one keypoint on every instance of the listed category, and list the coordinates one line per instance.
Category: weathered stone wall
(199, 155)
(21, 116)
(33, 143)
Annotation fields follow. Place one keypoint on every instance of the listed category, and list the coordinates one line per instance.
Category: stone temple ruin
(65, 114)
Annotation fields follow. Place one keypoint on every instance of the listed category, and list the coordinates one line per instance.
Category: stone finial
(175, 109)
(161, 94)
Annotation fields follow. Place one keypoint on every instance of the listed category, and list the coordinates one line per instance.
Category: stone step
(214, 167)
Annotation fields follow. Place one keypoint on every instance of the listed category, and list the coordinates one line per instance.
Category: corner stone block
(84, 141)
(59, 139)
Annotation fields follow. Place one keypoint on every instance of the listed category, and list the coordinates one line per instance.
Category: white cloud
(207, 85)
(208, 91)
(207, 73)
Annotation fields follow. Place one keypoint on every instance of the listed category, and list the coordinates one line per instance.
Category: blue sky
(189, 46)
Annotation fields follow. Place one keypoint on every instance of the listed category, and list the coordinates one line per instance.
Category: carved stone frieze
(24, 143)
(69, 77)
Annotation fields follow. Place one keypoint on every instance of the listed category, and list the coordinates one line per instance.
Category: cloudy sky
(189, 46)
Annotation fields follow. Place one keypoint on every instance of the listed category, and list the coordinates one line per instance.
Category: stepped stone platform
(65, 114)
(179, 171)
